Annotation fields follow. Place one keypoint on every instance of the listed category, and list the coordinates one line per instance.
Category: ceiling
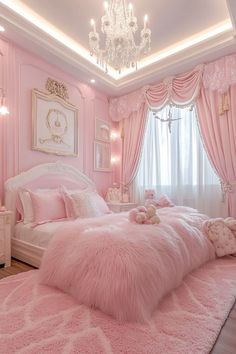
(184, 33)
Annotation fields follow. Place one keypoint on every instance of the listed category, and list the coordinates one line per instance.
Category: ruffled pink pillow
(87, 204)
(164, 201)
(47, 207)
(68, 202)
(66, 195)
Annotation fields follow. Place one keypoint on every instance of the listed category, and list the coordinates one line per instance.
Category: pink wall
(23, 72)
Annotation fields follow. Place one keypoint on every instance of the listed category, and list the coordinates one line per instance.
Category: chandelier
(119, 26)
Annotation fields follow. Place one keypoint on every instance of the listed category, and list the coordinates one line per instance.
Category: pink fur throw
(123, 268)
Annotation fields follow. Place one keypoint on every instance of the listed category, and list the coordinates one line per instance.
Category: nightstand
(5, 238)
(120, 207)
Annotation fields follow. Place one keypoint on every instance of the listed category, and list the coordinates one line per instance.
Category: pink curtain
(132, 110)
(180, 90)
(134, 129)
(219, 136)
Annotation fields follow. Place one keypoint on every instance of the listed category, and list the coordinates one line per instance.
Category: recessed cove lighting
(92, 81)
(2, 29)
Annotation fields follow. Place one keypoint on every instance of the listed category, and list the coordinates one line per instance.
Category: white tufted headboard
(49, 175)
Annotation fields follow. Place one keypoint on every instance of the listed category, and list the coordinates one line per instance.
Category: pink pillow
(164, 201)
(66, 195)
(47, 206)
(87, 204)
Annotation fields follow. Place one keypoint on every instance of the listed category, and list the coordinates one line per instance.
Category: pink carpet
(37, 319)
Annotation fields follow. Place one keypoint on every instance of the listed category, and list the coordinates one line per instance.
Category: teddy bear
(143, 215)
(152, 217)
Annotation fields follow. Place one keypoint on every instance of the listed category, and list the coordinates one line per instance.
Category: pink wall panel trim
(22, 73)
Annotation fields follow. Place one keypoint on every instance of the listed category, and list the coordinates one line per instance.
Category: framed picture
(55, 125)
(102, 156)
(102, 130)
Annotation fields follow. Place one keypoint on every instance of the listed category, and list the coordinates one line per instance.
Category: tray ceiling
(184, 33)
(170, 20)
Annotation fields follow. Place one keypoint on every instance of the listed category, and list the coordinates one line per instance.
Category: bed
(39, 318)
(29, 244)
(108, 262)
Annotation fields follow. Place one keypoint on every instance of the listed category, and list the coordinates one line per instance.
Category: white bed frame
(22, 250)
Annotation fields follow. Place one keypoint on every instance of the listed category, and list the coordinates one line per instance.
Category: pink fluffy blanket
(122, 268)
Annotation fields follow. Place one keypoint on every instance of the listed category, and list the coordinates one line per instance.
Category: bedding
(39, 235)
(47, 206)
(25, 207)
(27, 211)
(122, 268)
(66, 195)
(88, 204)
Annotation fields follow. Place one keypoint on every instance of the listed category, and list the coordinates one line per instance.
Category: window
(176, 163)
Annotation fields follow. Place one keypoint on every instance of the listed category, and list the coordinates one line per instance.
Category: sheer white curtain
(176, 164)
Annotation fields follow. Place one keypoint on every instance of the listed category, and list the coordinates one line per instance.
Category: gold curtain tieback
(227, 187)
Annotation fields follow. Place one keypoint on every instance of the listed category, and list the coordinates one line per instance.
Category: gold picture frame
(54, 125)
(102, 156)
(102, 130)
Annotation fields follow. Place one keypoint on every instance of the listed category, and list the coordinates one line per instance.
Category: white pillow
(25, 198)
(27, 206)
(88, 204)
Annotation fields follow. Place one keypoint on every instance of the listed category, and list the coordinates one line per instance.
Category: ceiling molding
(231, 4)
(32, 38)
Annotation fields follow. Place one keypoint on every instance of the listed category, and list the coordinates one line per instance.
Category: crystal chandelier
(119, 26)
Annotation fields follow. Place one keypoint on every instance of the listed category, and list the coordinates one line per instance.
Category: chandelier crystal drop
(119, 26)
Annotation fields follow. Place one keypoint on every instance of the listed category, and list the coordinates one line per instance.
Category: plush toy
(142, 215)
(152, 217)
(161, 202)
(138, 215)
(149, 194)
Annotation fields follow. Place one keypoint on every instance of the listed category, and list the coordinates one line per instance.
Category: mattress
(39, 235)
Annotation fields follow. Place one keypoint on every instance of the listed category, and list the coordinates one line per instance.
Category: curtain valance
(180, 90)
(220, 74)
(122, 107)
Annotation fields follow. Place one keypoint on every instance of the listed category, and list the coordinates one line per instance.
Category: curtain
(180, 90)
(219, 135)
(176, 164)
(218, 132)
(133, 135)
(131, 109)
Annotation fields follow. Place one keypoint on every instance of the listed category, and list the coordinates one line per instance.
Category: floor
(16, 267)
(226, 343)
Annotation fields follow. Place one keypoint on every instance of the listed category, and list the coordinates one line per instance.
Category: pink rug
(37, 319)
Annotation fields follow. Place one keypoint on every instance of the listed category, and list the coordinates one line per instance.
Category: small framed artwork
(55, 125)
(102, 130)
(102, 157)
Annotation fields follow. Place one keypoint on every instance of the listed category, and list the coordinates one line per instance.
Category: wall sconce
(114, 160)
(115, 135)
(3, 108)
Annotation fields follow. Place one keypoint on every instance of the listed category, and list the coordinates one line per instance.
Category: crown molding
(32, 38)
